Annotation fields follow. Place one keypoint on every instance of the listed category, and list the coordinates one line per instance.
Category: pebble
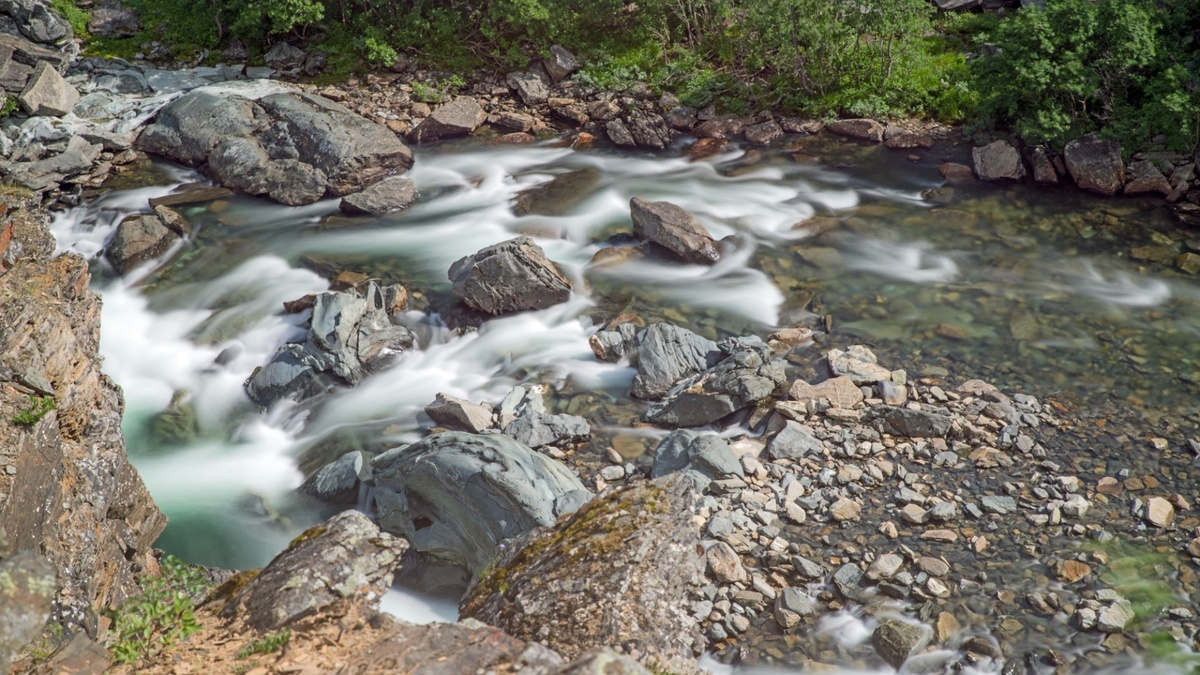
(945, 536)
(1115, 617)
(1159, 512)
(942, 512)
(999, 505)
(725, 564)
(935, 567)
(1076, 507)
(846, 580)
(612, 473)
(845, 509)
(1071, 571)
(913, 514)
(885, 567)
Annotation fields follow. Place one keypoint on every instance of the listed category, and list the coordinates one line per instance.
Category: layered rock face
(67, 489)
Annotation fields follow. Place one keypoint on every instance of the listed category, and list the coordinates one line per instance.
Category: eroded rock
(511, 276)
(1095, 164)
(674, 229)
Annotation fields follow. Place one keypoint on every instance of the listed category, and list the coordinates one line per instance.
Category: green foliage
(265, 645)
(38, 407)
(77, 17)
(378, 51)
(10, 106)
(159, 617)
(1121, 67)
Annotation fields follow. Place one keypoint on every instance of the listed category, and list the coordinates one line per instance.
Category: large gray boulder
(450, 120)
(36, 20)
(674, 229)
(998, 160)
(750, 373)
(533, 86)
(350, 337)
(295, 148)
(665, 355)
(113, 20)
(1095, 164)
(345, 557)
(618, 573)
(457, 496)
(511, 276)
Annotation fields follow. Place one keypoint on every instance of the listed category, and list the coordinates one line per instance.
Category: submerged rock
(138, 239)
(511, 276)
(674, 229)
(559, 195)
(747, 375)
(617, 573)
(347, 556)
(457, 495)
(338, 482)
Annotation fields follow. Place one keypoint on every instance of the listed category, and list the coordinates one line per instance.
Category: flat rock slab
(511, 276)
(387, 196)
(862, 129)
(450, 120)
(674, 229)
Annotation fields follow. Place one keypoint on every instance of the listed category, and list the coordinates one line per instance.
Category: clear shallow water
(1029, 289)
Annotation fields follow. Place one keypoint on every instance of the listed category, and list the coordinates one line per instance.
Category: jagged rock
(559, 195)
(1145, 177)
(511, 276)
(1095, 165)
(457, 413)
(859, 364)
(665, 355)
(560, 64)
(27, 584)
(294, 147)
(619, 134)
(538, 429)
(345, 557)
(723, 126)
(338, 482)
(76, 499)
(113, 20)
(998, 160)
(895, 641)
(680, 118)
(862, 129)
(47, 93)
(138, 238)
(613, 345)
(794, 441)
(704, 457)
(37, 20)
(792, 605)
(617, 573)
(457, 495)
(674, 229)
(916, 423)
(285, 58)
(42, 174)
(350, 337)
(749, 374)
(533, 86)
(382, 198)
(450, 120)
(647, 129)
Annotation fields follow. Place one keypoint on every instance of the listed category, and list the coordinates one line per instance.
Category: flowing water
(1031, 289)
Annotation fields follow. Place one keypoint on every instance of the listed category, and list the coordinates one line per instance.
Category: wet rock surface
(617, 573)
(674, 229)
(457, 496)
(511, 276)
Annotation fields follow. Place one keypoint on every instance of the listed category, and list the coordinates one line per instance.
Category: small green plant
(33, 413)
(425, 93)
(378, 51)
(266, 645)
(10, 106)
(78, 18)
(161, 616)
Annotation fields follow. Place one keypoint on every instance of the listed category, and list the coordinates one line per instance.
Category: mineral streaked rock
(617, 573)
(329, 562)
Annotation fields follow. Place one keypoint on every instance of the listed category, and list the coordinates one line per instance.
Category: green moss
(38, 407)
(78, 18)
(231, 587)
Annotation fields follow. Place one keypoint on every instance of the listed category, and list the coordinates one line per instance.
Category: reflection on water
(1029, 289)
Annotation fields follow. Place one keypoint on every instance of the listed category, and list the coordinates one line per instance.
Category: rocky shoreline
(962, 525)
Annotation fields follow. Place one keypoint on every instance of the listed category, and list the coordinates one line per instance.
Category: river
(1033, 289)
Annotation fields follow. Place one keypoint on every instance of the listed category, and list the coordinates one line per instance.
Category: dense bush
(1126, 68)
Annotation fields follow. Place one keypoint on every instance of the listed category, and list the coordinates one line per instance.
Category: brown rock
(1145, 177)
(725, 126)
(1159, 512)
(845, 509)
(861, 129)
(764, 133)
(998, 160)
(956, 173)
(724, 564)
(1043, 169)
(1095, 165)
(673, 228)
(705, 147)
(909, 141)
(841, 392)
(1071, 571)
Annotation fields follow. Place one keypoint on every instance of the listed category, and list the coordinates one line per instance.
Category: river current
(1032, 289)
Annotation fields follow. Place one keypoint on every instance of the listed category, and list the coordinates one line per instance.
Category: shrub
(38, 407)
(160, 616)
